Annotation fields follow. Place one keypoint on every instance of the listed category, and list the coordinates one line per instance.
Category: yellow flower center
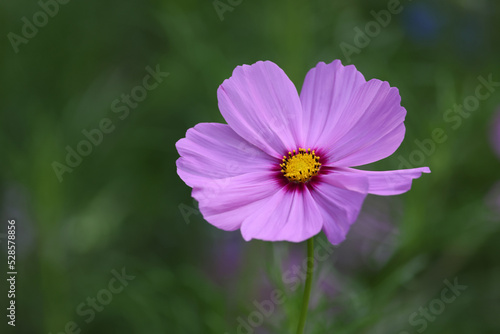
(300, 166)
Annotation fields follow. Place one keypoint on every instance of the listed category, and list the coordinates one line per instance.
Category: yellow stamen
(300, 166)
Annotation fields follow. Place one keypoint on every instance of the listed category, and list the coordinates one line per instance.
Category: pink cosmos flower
(281, 168)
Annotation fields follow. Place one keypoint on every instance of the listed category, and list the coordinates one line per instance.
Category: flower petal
(393, 182)
(289, 215)
(225, 203)
(261, 104)
(213, 151)
(357, 122)
(325, 97)
(339, 206)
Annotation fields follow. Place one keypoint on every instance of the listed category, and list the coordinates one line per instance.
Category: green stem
(307, 288)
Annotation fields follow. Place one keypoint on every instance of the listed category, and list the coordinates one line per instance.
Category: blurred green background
(123, 207)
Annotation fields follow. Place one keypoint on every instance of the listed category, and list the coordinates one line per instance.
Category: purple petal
(343, 178)
(325, 97)
(355, 122)
(228, 175)
(261, 104)
(339, 206)
(226, 203)
(392, 182)
(213, 151)
(289, 215)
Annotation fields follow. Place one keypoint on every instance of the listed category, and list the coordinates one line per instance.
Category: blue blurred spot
(421, 22)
